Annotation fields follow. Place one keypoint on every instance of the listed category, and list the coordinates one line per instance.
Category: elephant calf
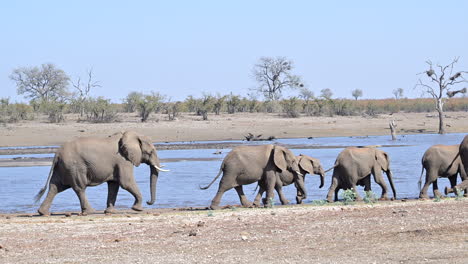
(307, 164)
(265, 164)
(90, 161)
(440, 161)
(353, 167)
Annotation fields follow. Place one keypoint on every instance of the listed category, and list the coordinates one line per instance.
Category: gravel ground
(386, 232)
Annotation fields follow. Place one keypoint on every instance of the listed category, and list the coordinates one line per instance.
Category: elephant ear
(306, 164)
(279, 158)
(130, 147)
(382, 159)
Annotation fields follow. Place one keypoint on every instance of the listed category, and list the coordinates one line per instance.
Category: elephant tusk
(300, 174)
(159, 169)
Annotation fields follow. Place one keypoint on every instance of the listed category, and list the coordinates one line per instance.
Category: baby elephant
(440, 161)
(248, 164)
(306, 165)
(353, 167)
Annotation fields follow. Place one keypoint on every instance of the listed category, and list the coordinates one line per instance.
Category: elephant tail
(420, 177)
(42, 191)
(334, 166)
(221, 169)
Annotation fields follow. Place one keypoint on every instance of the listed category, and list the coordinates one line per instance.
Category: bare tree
(43, 83)
(274, 75)
(326, 93)
(441, 80)
(356, 93)
(398, 93)
(83, 89)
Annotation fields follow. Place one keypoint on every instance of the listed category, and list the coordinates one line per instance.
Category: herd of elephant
(90, 161)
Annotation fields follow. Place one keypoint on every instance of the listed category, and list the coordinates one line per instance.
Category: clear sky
(182, 48)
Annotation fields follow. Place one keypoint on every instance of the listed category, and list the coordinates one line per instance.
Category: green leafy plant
(370, 197)
(348, 196)
(210, 213)
(319, 202)
(437, 199)
(459, 194)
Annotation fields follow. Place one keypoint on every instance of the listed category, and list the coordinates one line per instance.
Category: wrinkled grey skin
(463, 151)
(354, 166)
(90, 161)
(307, 164)
(440, 161)
(250, 164)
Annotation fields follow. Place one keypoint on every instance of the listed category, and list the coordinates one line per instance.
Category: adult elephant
(440, 161)
(353, 167)
(249, 164)
(90, 161)
(463, 150)
(308, 165)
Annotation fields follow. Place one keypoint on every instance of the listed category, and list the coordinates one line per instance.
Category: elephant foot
(110, 210)
(137, 208)
(86, 212)
(43, 212)
(385, 198)
(285, 202)
(299, 200)
(215, 207)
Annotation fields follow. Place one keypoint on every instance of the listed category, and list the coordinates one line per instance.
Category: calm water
(179, 188)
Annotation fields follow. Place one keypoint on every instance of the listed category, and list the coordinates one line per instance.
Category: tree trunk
(440, 110)
(393, 129)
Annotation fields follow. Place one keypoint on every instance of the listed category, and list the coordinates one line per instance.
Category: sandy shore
(386, 232)
(226, 127)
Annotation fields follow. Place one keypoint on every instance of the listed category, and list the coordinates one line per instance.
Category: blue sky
(181, 48)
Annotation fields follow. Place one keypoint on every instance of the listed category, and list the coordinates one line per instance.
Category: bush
(172, 110)
(148, 104)
(100, 110)
(291, 107)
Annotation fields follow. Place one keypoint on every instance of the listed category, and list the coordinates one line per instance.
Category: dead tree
(84, 89)
(441, 80)
(393, 126)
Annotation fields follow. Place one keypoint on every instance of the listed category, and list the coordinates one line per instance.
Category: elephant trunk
(390, 179)
(322, 180)
(153, 180)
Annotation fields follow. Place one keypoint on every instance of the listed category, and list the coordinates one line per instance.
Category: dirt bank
(226, 127)
(391, 232)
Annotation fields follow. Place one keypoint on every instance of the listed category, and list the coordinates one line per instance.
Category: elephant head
(312, 166)
(284, 159)
(383, 161)
(138, 149)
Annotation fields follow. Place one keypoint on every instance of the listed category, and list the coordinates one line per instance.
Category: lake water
(179, 187)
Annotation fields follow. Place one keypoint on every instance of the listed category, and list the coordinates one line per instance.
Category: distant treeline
(102, 110)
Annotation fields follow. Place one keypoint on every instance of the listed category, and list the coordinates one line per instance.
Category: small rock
(200, 224)
(117, 240)
(192, 232)
(68, 214)
(8, 217)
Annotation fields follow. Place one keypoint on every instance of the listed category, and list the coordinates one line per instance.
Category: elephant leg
(54, 188)
(337, 190)
(430, 178)
(380, 181)
(357, 197)
(85, 206)
(333, 190)
(261, 190)
(435, 189)
(367, 184)
(129, 184)
(270, 188)
(279, 190)
(243, 199)
(112, 190)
